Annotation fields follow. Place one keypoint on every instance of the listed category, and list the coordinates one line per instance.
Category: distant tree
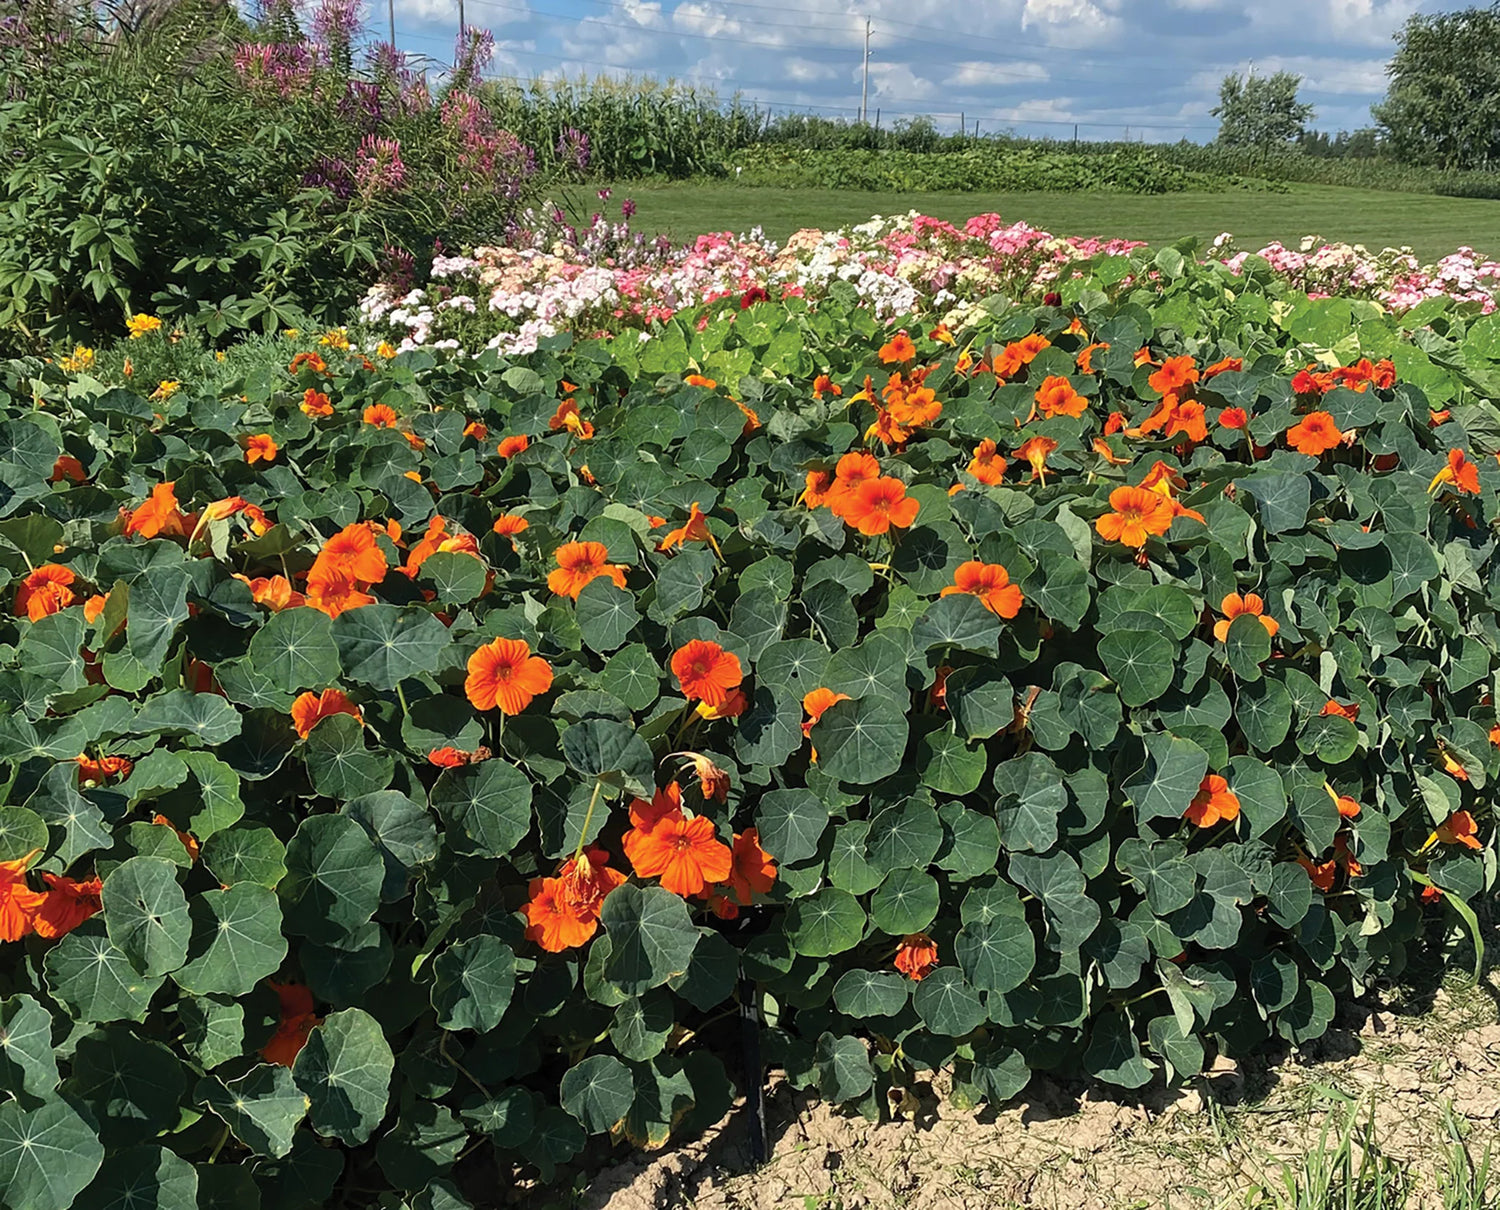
(1261, 111)
(1443, 104)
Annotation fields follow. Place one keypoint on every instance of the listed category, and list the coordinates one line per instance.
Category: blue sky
(1119, 68)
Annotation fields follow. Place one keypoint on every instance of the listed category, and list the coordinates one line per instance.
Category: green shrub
(1007, 789)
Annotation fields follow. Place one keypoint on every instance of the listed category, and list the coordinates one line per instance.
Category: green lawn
(1431, 225)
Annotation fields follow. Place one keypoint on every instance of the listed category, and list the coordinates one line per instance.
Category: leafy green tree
(1443, 104)
(1261, 111)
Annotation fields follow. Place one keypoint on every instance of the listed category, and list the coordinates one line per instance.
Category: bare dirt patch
(1411, 1080)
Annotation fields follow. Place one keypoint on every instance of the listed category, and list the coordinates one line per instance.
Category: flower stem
(587, 819)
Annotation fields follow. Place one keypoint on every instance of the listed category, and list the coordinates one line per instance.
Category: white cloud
(1071, 23)
(975, 74)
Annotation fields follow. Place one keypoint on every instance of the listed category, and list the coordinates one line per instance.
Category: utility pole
(864, 91)
(460, 20)
(391, 12)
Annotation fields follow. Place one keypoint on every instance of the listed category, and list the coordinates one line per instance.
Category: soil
(1411, 1077)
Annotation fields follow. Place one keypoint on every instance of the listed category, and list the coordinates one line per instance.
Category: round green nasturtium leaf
(245, 853)
(402, 830)
(382, 645)
(488, 805)
(456, 577)
(712, 973)
(1140, 662)
(996, 955)
(848, 868)
(96, 980)
(28, 1065)
(947, 1003)
(508, 1117)
(261, 1108)
(295, 650)
(473, 982)
(606, 615)
(48, 1155)
(332, 883)
(206, 717)
(843, 1068)
(651, 937)
(133, 1086)
(1274, 980)
(905, 902)
(611, 752)
(598, 1092)
(236, 941)
(145, 1177)
(862, 994)
(1030, 796)
(345, 1071)
(21, 832)
(1000, 1070)
(1113, 1054)
(790, 823)
(950, 765)
(642, 1025)
(1263, 709)
(146, 914)
(341, 764)
(824, 924)
(971, 841)
(904, 837)
(1247, 646)
(861, 741)
(422, 1145)
(1308, 1015)
(1331, 739)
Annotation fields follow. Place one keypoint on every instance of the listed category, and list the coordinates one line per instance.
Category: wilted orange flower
(310, 709)
(937, 695)
(189, 842)
(887, 431)
(1138, 513)
(1233, 418)
(580, 563)
(684, 853)
(1431, 894)
(1315, 435)
(916, 955)
(66, 904)
(706, 671)
(990, 583)
(1176, 374)
(452, 758)
(311, 360)
(1105, 451)
(1056, 397)
(68, 467)
(1214, 802)
(1460, 472)
(101, 770)
(1233, 605)
(551, 921)
(1458, 828)
(712, 780)
(1085, 358)
(297, 1021)
(819, 485)
(567, 417)
(260, 448)
(504, 674)
(1035, 451)
(509, 525)
(694, 530)
(988, 464)
(1143, 356)
(476, 430)
(698, 380)
(1322, 873)
(942, 335)
(824, 385)
(381, 416)
(1230, 365)
(876, 505)
(1351, 711)
(753, 870)
(159, 516)
(316, 403)
(511, 446)
(1113, 423)
(898, 348)
(45, 591)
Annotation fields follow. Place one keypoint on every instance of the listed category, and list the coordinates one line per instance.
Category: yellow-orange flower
(140, 324)
(1035, 450)
(988, 464)
(1460, 472)
(899, 348)
(990, 583)
(698, 380)
(1085, 358)
(1056, 397)
(706, 672)
(753, 871)
(159, 516)
(849, 473)
(274, 592)
(1214, 802)
(1315, 435)
(1233, 605)
(504, 674)
(353, 552)
(567, 417)
(1138, 514)
(381, 416)
(261, 448)
(580, 563)
(1175, 375)
(695, 529)
(819, 487)
(316, 403)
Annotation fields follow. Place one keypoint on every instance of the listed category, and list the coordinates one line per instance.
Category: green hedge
(291, 876)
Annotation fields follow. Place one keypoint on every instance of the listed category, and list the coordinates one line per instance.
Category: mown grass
(1433, 226)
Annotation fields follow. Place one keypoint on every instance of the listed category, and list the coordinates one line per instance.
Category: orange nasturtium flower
(508, 525)
(684, 853)
(1233, 418)
(877, 504)
(159, 516)
(311, 360)
(1460, 472)
(1019, 353)
(509, 447)
(69, 468)
(316, 403)
(66, 904)
(1322, 873)
(1316, 434)
(815, 702)
(1346, 806)
(381, 416)
(1056, 397)
(334, 591)
(102, 769)
(824, 385)
(1229, 365)
(353, 552)
(1213, 803)
(850, 472)
(988, 464)
(816, 493)
(94, 606)
(753, 871)
(189, 841)
(695, 529)
(1085, 358)
(1233, 605)
(1175, 375)
(942, 334)
(261, 447)
(47, 590)
(916, 955)
(310, 709)
(504, 674)
(887, 430)
(990, 583)
(898, 348)
(19, 904)
(1035, 451)
(567, 417)
(580, 563)
(297, 1021)
(551, 921)
(1332, 706)
(698, 380)
(706, 672)
(450, 757)
(1138, 513)
(1458, 828)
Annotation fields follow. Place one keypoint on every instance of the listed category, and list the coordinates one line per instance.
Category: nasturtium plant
(432, 771)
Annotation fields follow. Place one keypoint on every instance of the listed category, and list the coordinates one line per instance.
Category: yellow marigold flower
(291, 333)
(166, 390)
(385, 349)
(142, 325)
(82, 358)
(335, 338)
